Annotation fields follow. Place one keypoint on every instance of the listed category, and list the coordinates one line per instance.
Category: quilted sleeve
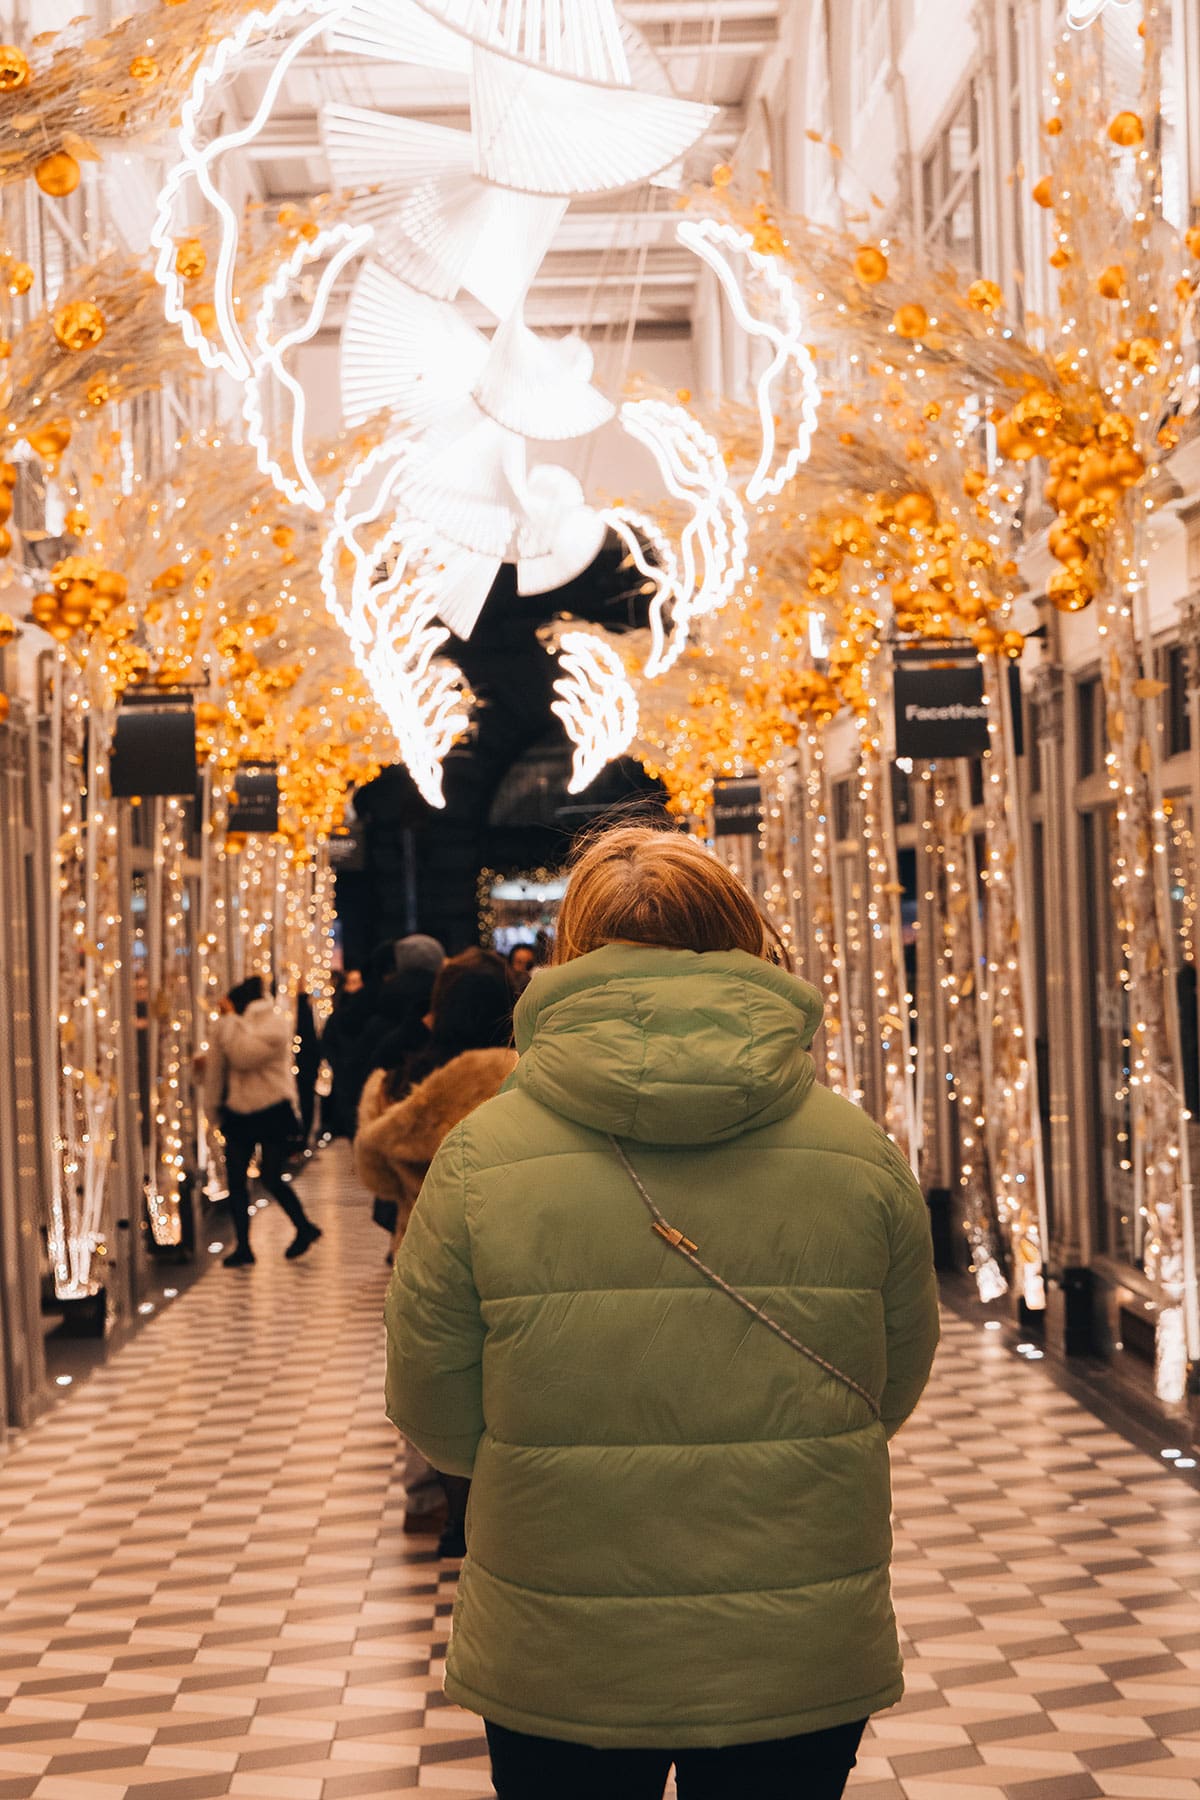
(910, 1301)
(435, 1328)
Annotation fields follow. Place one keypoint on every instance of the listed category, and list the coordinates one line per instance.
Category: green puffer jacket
(679, 1528)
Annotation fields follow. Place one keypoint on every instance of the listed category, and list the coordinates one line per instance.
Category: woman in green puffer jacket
(679, 1537)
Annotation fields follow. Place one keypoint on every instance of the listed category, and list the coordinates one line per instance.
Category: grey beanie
(418, 952)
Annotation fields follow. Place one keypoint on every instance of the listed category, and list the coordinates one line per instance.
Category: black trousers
(813, 1767)
(270, 1131)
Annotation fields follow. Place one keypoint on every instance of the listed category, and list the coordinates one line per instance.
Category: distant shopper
(339, 1043)
(308, 1067)
(252, 1091)
(522, 961)
(399, 996)
(466, 1062)
(667, 1298)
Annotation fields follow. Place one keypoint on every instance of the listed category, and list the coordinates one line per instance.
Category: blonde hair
(637, 884)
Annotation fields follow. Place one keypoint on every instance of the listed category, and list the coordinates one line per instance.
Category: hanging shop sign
(940, 710)
(154, 747)
(347, 850)
(737, 807)
(254, 803)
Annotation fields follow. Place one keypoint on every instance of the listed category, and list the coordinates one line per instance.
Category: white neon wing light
(543, 133)
(596, 704)
(580, 38)
(404, 353)
(197, 162)
(713, 543)
(1084, 12)
(540, 387)
(341, 244)
(716, 244)
(668, 619)
(390, 619)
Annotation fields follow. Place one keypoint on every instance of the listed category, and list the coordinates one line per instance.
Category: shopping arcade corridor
(205, 1589)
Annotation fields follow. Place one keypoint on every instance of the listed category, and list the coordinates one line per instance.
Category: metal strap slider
(675, 1238)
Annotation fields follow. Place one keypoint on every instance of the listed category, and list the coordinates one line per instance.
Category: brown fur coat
(396, 1142)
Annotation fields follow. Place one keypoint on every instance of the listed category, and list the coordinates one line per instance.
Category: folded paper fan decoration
(543, 133)
(580, 38)
(404, 353)
(472, 492)
(403, 34)
(540, 387)
(576, 531)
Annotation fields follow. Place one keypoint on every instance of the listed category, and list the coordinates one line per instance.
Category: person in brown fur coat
(405, 1114)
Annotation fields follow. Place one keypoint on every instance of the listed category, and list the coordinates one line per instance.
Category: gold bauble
(170, 581)
(283, 537)
(1144, 353)
(235, 842)
(57, 174)
(5, 707)
(112, 586)
(20, 277)
(1128, 466)
(1110, 283)
(722, 175)
(1012, 444)
(1126, 130)
(5, 349)
(1096, 476)
(984, 297)
(1066, 544)
(60, 631)
(1042, 193)
(145, 70)
(849, 536)
(987, 640)
(98, 391)
(870, 264)
(8, 629)
(205, 315)
(914, 511)
(14, 69)
(76, 522)
(1012, 644)
(1115, 430)
(910, 320)
(1058, 259)
(49, 440)
(1066, 591)
(1054, 127)
(974, 482)
(1038, 415)
(191, 259)
(79, 325)
(977, 554)
(208, 715)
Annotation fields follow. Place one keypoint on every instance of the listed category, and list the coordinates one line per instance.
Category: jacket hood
(667, 1046)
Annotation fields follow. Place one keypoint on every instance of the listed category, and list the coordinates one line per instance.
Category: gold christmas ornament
(1144, 353)
(870, 264)
(205, 315)
(57, 174)
(914, 511)
(1066, 544)
(984, 296)
(8, 629)
(98, 391)
(144, 70)
(1012, 644)
(910, 320)
(722, 175)
(1054, 127)
(191, 259)
(5, 349)
(49, 441)
(79, 325)
(283, 537)
(1042, 194)
(5, 707)
(1127, 130)
(14, 69)
(1110, 283)
(1067, 591)
(20, 277)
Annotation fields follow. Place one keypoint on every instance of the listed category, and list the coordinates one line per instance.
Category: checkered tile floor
(204, 1587)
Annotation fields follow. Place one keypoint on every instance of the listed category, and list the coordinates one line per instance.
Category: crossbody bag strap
(687, 1249)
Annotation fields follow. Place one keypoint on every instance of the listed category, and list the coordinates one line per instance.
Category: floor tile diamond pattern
(205, 1589)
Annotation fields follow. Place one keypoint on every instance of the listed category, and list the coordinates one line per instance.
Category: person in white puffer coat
(251, 1091)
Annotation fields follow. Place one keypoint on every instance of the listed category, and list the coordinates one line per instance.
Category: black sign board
(346, 850)
(154, 746)
(737, 807)
(254, 802)
(940, 710)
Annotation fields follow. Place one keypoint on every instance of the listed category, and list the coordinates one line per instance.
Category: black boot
(306, 1236)
(240, 1258)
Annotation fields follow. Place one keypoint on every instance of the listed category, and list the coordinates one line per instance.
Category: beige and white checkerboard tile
(205, 1589)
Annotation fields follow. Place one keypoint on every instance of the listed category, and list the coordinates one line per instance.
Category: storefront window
(1116, 1212)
